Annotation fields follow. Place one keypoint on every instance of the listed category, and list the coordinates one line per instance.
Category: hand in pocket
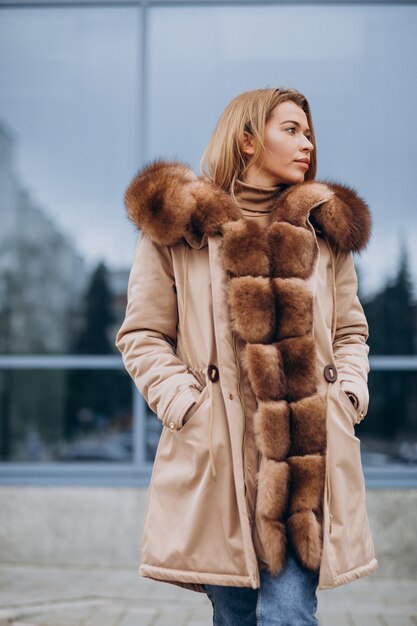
(190, 413)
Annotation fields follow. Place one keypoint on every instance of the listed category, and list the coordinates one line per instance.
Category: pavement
(97, 596)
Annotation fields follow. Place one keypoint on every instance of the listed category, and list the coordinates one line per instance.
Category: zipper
(239, 392)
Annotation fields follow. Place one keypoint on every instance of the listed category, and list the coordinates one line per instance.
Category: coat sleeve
(147, 336)
(349, 345)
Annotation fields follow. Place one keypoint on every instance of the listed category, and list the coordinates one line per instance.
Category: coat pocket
(350, 409)
(191, 414)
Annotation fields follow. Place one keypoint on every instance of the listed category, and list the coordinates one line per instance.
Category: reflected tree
(391, 316)
(97, 399)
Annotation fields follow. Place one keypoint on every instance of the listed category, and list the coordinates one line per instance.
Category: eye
(294, 128)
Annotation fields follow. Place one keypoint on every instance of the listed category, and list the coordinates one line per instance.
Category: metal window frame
(139, 472)
(153, 3)
(88, 473)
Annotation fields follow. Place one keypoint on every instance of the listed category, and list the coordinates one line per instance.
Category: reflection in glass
(153, 432)
(388, 432)
(353, 62)
(68, 143)
(65, 415)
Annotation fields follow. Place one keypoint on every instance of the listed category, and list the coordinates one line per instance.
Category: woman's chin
(294, 179)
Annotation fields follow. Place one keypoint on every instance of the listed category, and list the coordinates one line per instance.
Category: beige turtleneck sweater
(255, 202)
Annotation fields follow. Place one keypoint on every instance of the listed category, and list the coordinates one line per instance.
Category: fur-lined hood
(168, 202)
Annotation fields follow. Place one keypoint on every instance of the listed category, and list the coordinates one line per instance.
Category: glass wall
(90, 93)
(51, 415)
(69, 93)
(355, 65)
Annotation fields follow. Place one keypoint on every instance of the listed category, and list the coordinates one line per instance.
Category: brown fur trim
(296, 201)
(299, 363)
(274, 541)
(345, 219)
(305, 534)
(273, 482)
(293, 250)
(213, 208)
(263, 364)
(271, 423)
(307, 481)
(293, 306)
(252, 309)
(337, 209)
(168, 202)
(245, 249)
(308, 426)
(159, 200)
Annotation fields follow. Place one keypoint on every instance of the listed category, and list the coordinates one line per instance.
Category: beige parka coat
(212, 295)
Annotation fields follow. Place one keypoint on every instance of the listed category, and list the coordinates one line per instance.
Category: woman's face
(285, 143)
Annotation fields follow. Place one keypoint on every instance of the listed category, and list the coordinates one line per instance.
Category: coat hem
(350, 576)
(194, 580)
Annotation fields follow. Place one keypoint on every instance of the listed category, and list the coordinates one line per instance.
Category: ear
(248, 144)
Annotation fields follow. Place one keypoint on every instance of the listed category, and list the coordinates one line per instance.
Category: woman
(245, 335)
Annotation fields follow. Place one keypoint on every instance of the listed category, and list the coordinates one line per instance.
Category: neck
(255, 198)
(257, 176)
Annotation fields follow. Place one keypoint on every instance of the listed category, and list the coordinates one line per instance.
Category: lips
(306, 161)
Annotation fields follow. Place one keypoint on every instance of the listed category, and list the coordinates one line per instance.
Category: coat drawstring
(191, 368)
(334, 324)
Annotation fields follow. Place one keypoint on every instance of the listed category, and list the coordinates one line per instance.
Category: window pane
(65, 415)
(69, 89)
(153, 432)
(68, 145)
(388, 432)
(355, 65)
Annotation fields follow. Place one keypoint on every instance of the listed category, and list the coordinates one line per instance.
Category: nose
(307, 144)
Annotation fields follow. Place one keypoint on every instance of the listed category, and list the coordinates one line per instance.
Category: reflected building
(42, 276)
(42, 279)
(118, 282)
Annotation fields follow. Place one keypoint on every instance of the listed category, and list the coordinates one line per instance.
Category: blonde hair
(223, 160)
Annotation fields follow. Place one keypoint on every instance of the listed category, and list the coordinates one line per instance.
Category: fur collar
(168, 202)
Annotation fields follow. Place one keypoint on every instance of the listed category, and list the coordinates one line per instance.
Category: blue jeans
(288, 599)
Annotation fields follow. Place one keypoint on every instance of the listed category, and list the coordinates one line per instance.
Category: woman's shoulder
(168, 202)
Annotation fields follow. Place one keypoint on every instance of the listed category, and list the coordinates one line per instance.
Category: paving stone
(173, 617)
(336, 619)
(367, 620)
(399, 620)
(53, 596)
(70, 617)
(202, 614)
(108, 616)
(138, 618)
